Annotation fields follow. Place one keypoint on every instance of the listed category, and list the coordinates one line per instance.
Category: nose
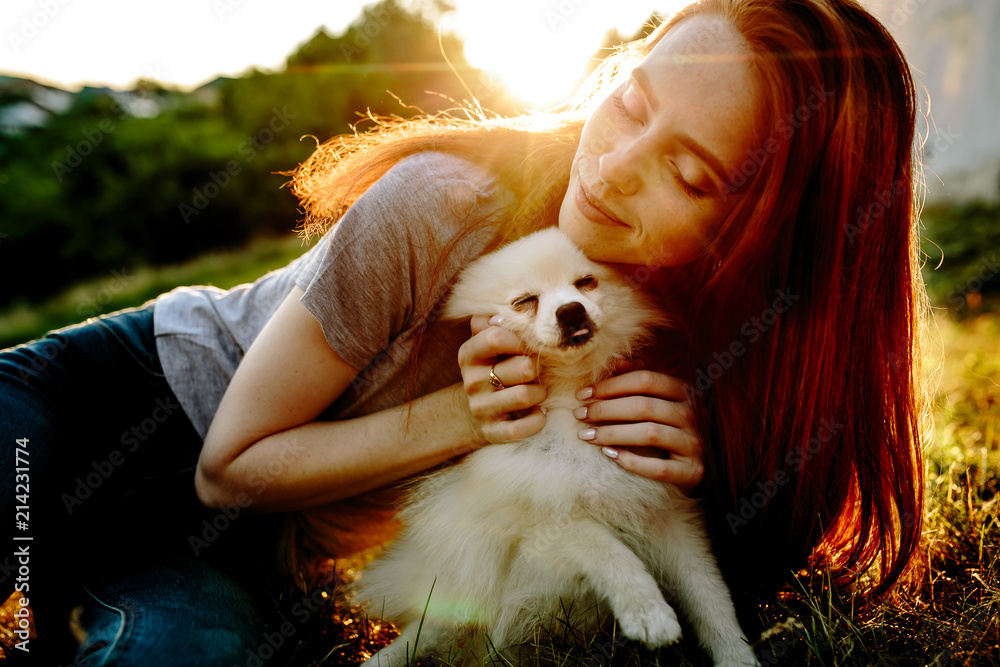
(574, 323)
(618, 168)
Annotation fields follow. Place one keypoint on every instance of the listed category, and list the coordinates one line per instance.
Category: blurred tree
(157, 175)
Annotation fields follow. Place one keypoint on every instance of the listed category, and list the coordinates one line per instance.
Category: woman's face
(648, 182)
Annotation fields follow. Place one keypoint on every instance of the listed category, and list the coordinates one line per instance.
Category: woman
(730, 164)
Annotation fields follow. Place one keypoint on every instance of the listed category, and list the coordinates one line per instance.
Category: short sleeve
(383, 268)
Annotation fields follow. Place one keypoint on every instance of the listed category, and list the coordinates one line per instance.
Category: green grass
(134, 285)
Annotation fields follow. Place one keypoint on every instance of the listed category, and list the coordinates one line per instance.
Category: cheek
(672, 240)
(671, 249)
(599, 132)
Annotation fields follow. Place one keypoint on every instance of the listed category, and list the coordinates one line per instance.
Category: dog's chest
(557, 468)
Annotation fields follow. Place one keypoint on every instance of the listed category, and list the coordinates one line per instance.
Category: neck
(563, 381)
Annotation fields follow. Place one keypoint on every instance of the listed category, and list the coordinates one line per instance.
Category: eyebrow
(708, 157)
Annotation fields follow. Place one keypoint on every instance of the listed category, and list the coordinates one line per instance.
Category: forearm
(321, 462)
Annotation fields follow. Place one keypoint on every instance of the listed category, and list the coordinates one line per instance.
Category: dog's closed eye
(526, 302)
(586, 283)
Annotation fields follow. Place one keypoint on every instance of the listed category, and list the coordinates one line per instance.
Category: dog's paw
(654, 624)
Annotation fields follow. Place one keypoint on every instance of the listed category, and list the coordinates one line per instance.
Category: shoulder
(440, 183)
(437, 164)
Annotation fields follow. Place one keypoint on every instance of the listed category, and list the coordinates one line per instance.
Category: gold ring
(495, 381)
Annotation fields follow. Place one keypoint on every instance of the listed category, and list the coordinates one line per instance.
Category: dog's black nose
(575, 324)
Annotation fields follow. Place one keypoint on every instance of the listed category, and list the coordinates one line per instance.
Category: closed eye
(686, 188)
(525, 302)
(619, 104)
(586, 283)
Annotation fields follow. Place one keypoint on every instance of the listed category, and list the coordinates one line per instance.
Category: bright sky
(538, 47)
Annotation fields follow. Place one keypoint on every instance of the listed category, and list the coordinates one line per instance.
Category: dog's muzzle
(574, 324)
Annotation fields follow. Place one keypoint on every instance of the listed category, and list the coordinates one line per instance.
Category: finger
(641, 382)
(513, 371)
(488, 344)
(683, 473)
(637, 409)
(501, 431)
(623, 365)
(478, 323)
(488, 406)
(680, 443)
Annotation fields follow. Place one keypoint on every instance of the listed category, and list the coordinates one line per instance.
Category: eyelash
(685, 187)
(688, 189)
(620, 105)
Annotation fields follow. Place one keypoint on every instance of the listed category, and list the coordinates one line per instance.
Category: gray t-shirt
(374, 282)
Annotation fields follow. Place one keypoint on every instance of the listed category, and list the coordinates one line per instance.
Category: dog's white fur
(519, 534)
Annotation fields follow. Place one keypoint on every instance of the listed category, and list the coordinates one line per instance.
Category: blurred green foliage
(124, 181)
(962, 248)
(156, 176)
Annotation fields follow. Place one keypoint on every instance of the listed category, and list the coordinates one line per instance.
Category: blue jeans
(99, 458)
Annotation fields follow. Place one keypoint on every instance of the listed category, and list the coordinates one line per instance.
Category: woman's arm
(264, 443)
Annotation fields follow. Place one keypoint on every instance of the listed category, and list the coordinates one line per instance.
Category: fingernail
(495, 321)
(585, 393)
(588, 434)
(609, 452)
(581, 412)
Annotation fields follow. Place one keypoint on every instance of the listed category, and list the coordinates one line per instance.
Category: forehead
(702, 75)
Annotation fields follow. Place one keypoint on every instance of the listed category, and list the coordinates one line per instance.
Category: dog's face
(558, 301)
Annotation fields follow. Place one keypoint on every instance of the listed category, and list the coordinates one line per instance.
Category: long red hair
(815, 431)
(800, 327)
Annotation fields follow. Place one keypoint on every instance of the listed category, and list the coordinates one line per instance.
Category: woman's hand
(644, 421)
(499, 415)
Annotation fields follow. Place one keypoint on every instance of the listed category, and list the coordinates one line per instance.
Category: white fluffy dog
(520, 534)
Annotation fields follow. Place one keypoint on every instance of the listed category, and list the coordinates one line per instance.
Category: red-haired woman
(750, 164)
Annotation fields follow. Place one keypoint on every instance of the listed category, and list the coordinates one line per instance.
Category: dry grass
(948, 617)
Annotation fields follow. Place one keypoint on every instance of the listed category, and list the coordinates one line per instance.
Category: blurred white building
(954, 50)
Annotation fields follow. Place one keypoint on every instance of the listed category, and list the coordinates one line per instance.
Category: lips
(593, 209)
